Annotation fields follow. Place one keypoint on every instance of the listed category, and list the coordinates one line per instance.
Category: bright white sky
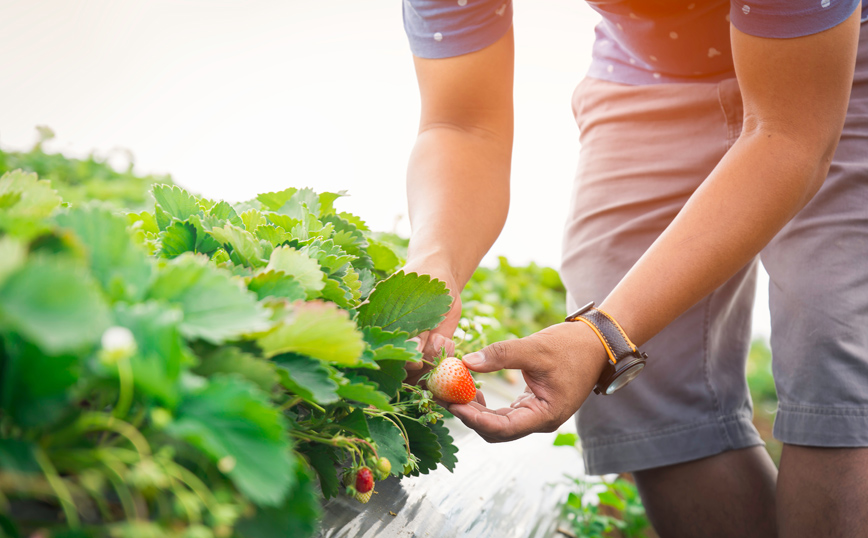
(238, 97)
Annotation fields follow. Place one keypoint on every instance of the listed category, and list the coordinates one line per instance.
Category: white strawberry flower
(117, 343)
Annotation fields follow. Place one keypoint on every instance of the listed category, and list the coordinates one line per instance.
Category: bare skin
(795, 94)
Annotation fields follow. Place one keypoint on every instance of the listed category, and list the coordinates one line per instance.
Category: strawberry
(363, 497)
(451, 381)
(384, 466)
(364, 480)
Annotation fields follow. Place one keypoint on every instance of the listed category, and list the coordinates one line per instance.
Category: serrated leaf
(307, 377)
(316, 329)
(330, 257)
(276, 284)
(447, 445)
(388, 377)
(282, 221)
(231, 417)
(271, 233)
(173, 202)
(27, 196)
(119, 264)
(250, 250)
(216, 307)
(276, 200)
(390, 442)
(365, 392)
(223, 211)
(297, 517)
(204, 242)
(424, 444)
(156, 365)
(406, 302)
(353, 284)
(355, 423)
(333, 291)
(327, 201)
(322, 459)
(54, 303)
(367, 281)
(383, 257)
(231, 360)
(302, 201)
(252, 219)
(179, 237)
(143, 221)
(354, 220)
(378, 337)
(299, 266)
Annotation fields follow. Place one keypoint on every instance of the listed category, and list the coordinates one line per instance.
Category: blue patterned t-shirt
(638, 41)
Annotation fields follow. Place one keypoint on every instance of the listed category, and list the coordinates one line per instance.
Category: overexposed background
(234, 98)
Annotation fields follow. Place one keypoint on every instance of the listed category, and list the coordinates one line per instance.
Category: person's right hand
(431, 343)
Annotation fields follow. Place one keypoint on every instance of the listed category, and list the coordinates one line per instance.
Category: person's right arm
(458, 174)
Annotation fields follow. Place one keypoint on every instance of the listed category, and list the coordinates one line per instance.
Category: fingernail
(439, 342)
(474, 359)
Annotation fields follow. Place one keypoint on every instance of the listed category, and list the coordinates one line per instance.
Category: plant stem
(66, 502)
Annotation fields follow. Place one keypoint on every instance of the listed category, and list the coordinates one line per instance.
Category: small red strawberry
(451, 381)
(364, 480)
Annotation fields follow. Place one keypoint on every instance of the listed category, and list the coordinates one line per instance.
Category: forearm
(761, 183)
(458, 194)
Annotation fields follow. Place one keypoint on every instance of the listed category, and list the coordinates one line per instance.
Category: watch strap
(610, 333)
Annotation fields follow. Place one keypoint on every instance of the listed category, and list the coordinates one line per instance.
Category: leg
(684, 426)
(731, 494)
(823, 492)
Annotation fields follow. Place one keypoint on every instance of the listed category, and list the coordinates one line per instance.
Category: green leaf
(303, 201)
(34, 385)
(216, 306)
(143, 221)
(566, 439)
(316, 329)
(173, 202)
(276, 200)
(179, 237)
(224, 212)
(297, 517)
(354, 220)
(55, 304)
(423, 444)
(390, 442)
(231, 418)
(156, 365)
(608, 498)
(388, 377)
(447, 445)
(406, 302)
(250, 250)
(327, 201)
(323, 460)
(307, 378)
(231, 360)
(275, 235)
(119, 264)
(365, 393)
(13, 253)
(282, 221)
(252, 219)
(299, 266)
(355, 423)
(18, 456)
(384, 259)
(276, 284)
(26, 201)
(330, 257)
(333, 291)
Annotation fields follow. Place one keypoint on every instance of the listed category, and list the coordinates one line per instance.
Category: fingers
(520, 354)
(504, 424)
(435, 345)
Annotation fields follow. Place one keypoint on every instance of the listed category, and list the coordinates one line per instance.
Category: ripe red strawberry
(451, 381)
(364, 480)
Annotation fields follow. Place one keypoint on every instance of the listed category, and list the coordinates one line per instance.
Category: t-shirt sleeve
(446, 28)
(789, 18)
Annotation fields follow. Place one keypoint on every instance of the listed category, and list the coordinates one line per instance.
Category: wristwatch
(625, 360)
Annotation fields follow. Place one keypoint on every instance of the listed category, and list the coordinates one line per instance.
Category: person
(713, 133)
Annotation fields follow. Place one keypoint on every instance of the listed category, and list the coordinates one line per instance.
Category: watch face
(626, 376)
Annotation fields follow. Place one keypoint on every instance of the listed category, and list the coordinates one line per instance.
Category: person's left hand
(560, 364)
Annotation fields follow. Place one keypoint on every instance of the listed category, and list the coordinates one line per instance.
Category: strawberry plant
(202, 369)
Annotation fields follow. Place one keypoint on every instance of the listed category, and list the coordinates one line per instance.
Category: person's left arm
(795, 94)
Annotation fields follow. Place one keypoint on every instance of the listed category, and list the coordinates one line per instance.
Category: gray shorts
(644, 151)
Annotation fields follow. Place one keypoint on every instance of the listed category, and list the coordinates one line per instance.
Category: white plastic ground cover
(497, 490)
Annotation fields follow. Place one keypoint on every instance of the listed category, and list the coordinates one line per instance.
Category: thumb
(514, 354)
